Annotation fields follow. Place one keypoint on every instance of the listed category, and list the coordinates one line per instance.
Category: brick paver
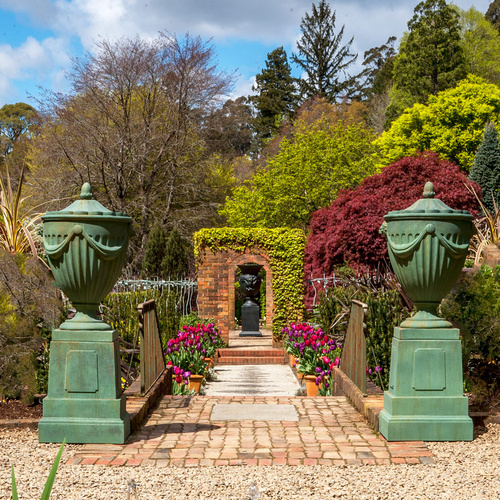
(179, 432)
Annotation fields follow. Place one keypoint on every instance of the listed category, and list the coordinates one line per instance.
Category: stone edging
(368, 405)
(137, 406)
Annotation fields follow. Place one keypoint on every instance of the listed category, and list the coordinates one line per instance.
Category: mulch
(13, 409)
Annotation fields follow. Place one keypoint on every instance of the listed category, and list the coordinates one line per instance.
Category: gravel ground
(462, 471)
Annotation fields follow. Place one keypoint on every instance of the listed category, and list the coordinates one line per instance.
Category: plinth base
(250, 334)
(425, 400)
(84, 402)
(439, 424)
(80, 430)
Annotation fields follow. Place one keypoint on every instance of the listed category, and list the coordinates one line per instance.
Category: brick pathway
(179, 432)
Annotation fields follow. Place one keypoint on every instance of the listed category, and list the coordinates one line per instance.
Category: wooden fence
(152, 360)
(353, 357)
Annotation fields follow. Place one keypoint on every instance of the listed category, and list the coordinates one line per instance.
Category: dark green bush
(474, 306)
(29, 308)
(385, 311)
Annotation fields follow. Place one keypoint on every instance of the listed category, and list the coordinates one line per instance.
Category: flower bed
(188, 353)
(314, 353)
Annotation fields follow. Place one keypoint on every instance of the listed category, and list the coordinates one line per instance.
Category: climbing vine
(285, 248)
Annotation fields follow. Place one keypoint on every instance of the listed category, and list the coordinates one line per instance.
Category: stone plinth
(425, 399)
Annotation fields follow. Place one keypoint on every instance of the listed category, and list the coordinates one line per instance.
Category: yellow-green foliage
(285, 248)
(304, 176)
(451, 124)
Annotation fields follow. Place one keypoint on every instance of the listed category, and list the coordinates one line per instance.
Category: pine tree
(276, 97)
(486, 168)
(154, 252)
(321, 55)
(430, 56)
(175, 263)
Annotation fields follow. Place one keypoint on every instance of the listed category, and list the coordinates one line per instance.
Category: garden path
(191, 431)
(213, 430)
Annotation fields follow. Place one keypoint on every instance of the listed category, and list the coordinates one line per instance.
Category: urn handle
(405, 250)
(103, 252)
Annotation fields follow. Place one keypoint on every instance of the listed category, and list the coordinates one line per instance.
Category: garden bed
(14, 409)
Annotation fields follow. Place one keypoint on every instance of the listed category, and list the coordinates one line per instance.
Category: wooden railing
(353, 356)
(152, 360)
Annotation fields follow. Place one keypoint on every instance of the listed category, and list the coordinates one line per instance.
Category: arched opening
(265, 299)
(240, 297)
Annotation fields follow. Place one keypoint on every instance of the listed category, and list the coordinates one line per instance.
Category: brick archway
(216, 278)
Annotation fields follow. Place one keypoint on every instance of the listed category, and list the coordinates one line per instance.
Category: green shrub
(385, 311)
(28, 308)
(120, 311)
(474, 306)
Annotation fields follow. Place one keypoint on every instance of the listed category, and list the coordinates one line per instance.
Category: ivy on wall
(285, 249)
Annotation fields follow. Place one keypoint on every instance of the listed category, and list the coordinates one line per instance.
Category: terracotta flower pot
(195, 382)
(291, 358)
(209, 362)
(300, 375)
(311, 387)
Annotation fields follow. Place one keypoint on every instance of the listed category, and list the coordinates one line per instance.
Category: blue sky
(38, 38)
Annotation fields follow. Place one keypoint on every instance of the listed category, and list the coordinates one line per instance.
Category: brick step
(251, 357)
(244, 360)
(251, 352)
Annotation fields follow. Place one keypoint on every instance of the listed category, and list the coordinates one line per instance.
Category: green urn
(427, 246)
(86, 245)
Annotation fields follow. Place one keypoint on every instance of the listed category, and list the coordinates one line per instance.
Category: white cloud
(40, 61)
(243, 87)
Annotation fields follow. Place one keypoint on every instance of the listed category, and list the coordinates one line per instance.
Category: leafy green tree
(276, 97)
(430, 56)
(154, 252)
(481, 44)
(377, 74)
(451, 124)
(228, 130)
(322, 56)
(16, 120)
(486, 168)
(305, 175)
(493, 14)
(132, 125)
(175, 263)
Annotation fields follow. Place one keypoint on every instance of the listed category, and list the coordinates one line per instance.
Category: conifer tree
(493, 14)
(430, 56)
(154, 252)
(486, 168)
(276, 93)
(175, 263)
(322, 56)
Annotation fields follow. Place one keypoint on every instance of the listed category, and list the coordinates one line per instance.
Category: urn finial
(86, 192)
(429, 190)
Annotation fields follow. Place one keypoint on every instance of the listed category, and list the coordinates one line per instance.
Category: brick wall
(216, 278)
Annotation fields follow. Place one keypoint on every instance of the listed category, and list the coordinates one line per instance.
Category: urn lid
(428, 207)
(86, 207)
